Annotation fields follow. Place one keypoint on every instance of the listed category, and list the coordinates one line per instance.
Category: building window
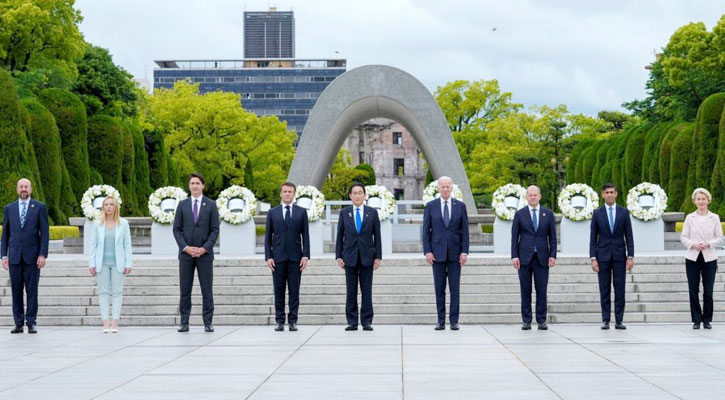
(399, 166)
(361, 157)
(398, 138)
(399, 194)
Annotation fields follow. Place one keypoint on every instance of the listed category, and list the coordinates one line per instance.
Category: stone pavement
(393, 362)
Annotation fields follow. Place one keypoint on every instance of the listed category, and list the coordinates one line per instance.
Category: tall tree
(104, 86)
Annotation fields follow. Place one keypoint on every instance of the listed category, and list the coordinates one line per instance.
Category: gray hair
(703, 191)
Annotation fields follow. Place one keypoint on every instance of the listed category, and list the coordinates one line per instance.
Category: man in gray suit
(196, 227)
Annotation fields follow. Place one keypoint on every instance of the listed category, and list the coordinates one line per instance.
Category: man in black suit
(287, 249)
(611, 248)
(196, 227)
(533, 252)
(358, 251)
(445, 245)
(25, 241)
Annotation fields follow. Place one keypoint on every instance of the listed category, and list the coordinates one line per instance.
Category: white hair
(703, 191)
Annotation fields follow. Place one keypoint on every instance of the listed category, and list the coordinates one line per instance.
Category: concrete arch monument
(368, 92)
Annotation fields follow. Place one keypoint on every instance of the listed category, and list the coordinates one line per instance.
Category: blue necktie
(446, 214)
(536, 220)
(22, 214)
(358, 220)
(611, 220)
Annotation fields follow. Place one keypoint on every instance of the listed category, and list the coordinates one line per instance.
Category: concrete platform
(647, 361)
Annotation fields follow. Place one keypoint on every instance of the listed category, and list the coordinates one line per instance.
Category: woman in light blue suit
(109, 260)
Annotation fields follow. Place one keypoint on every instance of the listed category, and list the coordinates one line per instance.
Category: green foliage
(45, 138)
(106, 148)
(128, 172)
(157, 155)
(175, 178)
(104, 86)
(142, 187)
(616, 120)
(618, 163)
(706, 138)
(650, 156)
(60, 232)
(69, 204)
(598, 179)
(665, 154)
(633, 156)
(717, 186)
(369, 179)
(341, 176)
(96, 178)
(679, 164)
(70, 117)
(588, 160)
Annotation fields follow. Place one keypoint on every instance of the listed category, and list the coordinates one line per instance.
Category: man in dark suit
(445, 245)
(533, 252)
(196, 227)
(611, 248)
(25, 241)
(287, 249)
(358, 251)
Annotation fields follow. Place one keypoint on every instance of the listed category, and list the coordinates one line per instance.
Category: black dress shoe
(542, 326)
(605, 325)
(209, 328)
(440, 327)
(293, 327)
(279, 327)
(31, 328)
(351, 328)
(455, 327)
(620, 326)
(18, 329)
(367, 327)
(526, 326)
(183, 328)
(707, 325)
(696, 326)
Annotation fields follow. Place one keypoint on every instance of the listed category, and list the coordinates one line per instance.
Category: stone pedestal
(502, 236)
(386, 236)
(238, 240)
(162, 240)
(87, 226)
(649, 237)
(317, 231)
(574, 236)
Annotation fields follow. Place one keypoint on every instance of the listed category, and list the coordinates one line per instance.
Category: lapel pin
(350, 214)
(32, 205)
(203, 204)
(543, 214)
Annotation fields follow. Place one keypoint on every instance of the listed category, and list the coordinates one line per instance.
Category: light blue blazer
(123, 246)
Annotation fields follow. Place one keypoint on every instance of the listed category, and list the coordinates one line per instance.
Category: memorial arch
(368, 92)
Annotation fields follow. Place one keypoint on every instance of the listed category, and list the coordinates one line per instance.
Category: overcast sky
(589, 55)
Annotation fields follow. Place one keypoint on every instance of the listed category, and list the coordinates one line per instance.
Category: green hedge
(142, 186)
(128, 172)
(706, 138)
(665, 154)
(60, 232)
(633, 156)
(105, 147)
(718, 172)
(158, 166)
(679, 165)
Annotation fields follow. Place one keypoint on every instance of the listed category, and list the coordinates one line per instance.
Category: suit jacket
(446, 243)
(366, 243)
(524, 239)
(203, 233)
(122, 243)
(284, 242)
(606, 246)
(27, 243)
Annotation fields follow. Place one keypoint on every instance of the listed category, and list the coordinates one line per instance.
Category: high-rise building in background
(269, 34)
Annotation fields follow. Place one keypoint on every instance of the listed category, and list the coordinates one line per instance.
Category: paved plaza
(392, 362)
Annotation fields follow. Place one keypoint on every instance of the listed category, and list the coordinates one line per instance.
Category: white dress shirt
(450, 205)
(362, 212)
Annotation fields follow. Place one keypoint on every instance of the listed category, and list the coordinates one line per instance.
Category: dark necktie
(446, 214)
(23, 213)
(196, 210)
(536, 221)
(287, 215)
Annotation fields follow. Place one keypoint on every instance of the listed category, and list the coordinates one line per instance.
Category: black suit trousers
(449, 271)
(286, 277)
(204, 269)
(607, 271)
(707, 270)
(24, 276)
(363, 275)
(540, 275)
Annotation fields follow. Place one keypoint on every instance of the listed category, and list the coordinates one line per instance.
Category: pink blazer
(701, 229)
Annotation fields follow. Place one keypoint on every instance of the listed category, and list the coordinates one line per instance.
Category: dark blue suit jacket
(284, 242)
(27, 243)
(446, 244)
(366, 243)
(524, 239)
(606, 246)
(203, 233)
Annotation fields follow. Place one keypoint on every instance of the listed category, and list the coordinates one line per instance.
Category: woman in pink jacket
(701, 235)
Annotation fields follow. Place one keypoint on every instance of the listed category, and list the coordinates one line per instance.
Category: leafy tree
(370, 178)
(128, 171)
(142, 186)
(341, 176)
(106, 146)
(104, 86)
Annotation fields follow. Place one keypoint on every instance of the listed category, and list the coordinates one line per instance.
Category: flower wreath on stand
(317, 201)
(574, 212)
(387, 200)
(431, 192)
(508, 190)
(236, 216)
(645, 213)
(167, 192)
(91, 205)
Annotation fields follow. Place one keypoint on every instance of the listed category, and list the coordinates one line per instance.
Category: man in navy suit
(25, 241)
(533, 252)
(445, 245)
(358, 251)
(611, 248)
(287, 249)
(196, 228)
